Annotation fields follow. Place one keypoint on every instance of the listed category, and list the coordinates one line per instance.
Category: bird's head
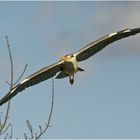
(67, 57)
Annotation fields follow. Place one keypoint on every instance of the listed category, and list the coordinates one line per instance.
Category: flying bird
(67, 66)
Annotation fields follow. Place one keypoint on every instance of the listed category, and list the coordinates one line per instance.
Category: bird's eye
(72, 55)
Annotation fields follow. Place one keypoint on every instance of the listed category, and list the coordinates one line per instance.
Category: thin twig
(6, 136)
(11, 81)
(11, 134)
(30, 129)
(3, 127)
(25, 136)
(11, 61)
(6, 128)
(21, 75)
(47, 125)
(11, 84)
(50, 115)
(1, 120)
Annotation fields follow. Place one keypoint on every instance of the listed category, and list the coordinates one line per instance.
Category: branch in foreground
(3, 123)
(42, 131)
(4, 126)
(50, 115)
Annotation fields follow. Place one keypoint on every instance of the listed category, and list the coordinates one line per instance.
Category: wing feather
(99, 44)
(39, 76)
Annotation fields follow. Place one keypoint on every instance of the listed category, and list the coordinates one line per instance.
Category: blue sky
(104, 100)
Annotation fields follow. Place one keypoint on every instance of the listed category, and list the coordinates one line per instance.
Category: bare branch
(40, 128)
(7, 83)
(3, 125)
(11, 61)
(25, 136)
(30, 129)
(6, 136)
(11, 84)
(11, 134)
(21, 75)
(47, 125)
(25, 67)
(6, 128)
(1, 120)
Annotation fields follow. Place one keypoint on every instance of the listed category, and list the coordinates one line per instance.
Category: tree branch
(50, 115)
(3, 124)
(11, 85)
(42, 131)
(21, 75)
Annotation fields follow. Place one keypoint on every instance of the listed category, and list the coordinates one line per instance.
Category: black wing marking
(99, 44)
(39, 76)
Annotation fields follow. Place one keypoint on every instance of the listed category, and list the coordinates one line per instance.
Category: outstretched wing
(39, 76)
(99, 44)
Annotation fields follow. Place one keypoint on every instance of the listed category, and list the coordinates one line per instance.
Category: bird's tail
(71, 79)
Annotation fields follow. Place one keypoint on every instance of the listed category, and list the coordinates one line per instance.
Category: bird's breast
(71, 66)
